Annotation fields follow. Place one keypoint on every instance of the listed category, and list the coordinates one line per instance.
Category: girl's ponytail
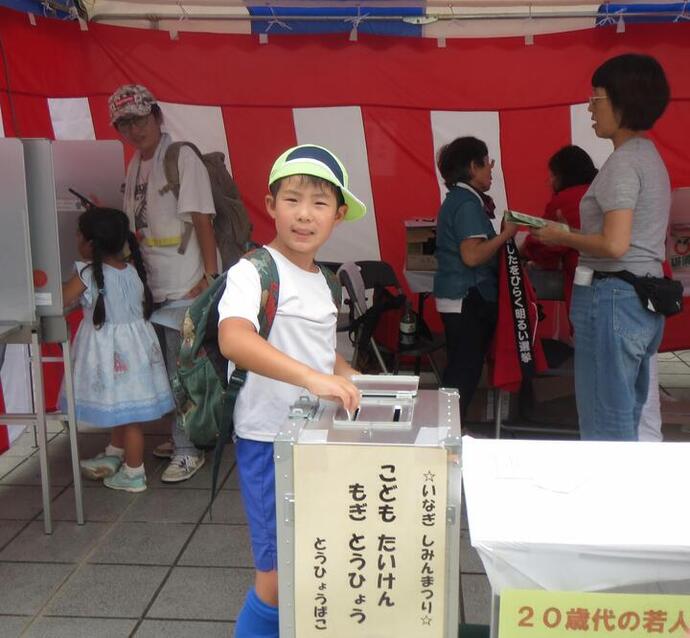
(139, 265)
(97, 264)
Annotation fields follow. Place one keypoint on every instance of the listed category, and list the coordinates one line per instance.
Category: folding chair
(351, 279)
(377, 275)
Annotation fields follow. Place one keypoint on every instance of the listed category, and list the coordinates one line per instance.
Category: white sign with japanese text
(370, 540)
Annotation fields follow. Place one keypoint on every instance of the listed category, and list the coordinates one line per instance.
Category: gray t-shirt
(634, 177)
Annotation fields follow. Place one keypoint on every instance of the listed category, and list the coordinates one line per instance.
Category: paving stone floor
(157, 563)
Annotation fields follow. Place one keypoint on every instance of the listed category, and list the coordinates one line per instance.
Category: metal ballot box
(368, 514)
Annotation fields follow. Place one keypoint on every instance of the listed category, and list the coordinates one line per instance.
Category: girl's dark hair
(454, 159)
(637, 87)
(310, 180)
(107, 230)
(571, 166)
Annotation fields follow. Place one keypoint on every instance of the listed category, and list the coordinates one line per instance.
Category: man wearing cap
(175, 234)
(308, 197)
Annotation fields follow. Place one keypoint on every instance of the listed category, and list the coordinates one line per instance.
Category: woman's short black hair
(637, 87)
(571, 166)
(454, 159)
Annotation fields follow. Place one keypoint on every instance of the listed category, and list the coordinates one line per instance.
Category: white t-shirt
(304, 329)
(171, 274)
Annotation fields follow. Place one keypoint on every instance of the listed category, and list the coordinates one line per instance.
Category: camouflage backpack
(231, 224)
(204, 397)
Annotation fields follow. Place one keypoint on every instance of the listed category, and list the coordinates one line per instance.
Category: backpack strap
(270, 288)
(171, 168)
(334, 285)
(172, 177)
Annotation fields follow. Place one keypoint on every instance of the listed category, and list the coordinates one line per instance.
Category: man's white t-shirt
(304, 329)
(171, 275)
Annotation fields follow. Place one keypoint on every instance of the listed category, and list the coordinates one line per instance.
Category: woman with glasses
(624, 216)
(466, 281)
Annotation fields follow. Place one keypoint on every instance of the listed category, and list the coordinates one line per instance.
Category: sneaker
(182, 468)
(121, 481)
(164, 450)
(100, 466)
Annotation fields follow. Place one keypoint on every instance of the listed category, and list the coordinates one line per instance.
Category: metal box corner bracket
(368, 515)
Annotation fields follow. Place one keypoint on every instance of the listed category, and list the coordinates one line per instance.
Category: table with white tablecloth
(579, 515)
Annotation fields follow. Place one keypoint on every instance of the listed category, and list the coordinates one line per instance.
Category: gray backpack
(231, 224)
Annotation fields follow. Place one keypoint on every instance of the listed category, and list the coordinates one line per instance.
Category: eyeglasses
(128, 123)
(593, 99)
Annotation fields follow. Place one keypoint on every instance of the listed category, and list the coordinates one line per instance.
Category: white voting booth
(38, 224)
(368, 514)
(579, 515)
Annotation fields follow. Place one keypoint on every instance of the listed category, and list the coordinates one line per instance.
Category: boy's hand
(334, 388)
(198, 289)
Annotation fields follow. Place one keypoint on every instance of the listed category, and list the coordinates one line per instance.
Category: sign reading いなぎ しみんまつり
(370, 539)
(558, 614)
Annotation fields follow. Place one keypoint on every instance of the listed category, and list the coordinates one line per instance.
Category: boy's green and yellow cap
(309, 159)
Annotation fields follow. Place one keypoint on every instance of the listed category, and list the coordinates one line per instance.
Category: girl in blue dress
(120, 380)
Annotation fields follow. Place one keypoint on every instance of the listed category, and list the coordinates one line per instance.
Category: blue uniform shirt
(462, 216)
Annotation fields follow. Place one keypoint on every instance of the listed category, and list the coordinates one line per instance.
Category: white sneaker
(182, 468)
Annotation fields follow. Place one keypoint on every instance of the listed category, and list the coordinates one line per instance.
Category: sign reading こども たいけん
(370, 541)
(528, 613)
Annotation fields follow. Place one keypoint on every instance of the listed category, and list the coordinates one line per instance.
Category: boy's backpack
(231, 224)
(204, 397)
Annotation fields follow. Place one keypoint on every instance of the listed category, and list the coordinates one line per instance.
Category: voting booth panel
(368, 514)
(38, 248)
(94, 169)
(17, 305)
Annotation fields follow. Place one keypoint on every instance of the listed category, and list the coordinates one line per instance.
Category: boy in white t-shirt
(308, 198)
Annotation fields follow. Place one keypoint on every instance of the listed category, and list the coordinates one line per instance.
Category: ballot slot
(386, 385)
(386, 403)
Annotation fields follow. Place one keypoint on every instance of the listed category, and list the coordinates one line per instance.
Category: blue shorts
(258, 489)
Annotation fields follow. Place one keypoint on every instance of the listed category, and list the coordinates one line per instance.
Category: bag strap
(171, 168)
(270, 288)
(334, 285)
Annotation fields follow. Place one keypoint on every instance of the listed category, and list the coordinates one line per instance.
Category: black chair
(379, 276)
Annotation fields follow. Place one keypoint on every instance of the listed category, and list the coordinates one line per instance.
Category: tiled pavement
(145, 565)
(156, 563)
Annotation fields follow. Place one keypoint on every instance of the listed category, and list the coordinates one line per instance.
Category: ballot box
(368, 514)
(94, 169)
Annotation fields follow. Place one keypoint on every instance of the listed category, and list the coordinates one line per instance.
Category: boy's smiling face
(305, 214)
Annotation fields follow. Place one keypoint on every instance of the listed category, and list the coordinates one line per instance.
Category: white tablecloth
(579, 515)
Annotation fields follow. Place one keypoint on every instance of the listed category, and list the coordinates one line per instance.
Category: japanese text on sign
(558, 614)
(369, 540)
